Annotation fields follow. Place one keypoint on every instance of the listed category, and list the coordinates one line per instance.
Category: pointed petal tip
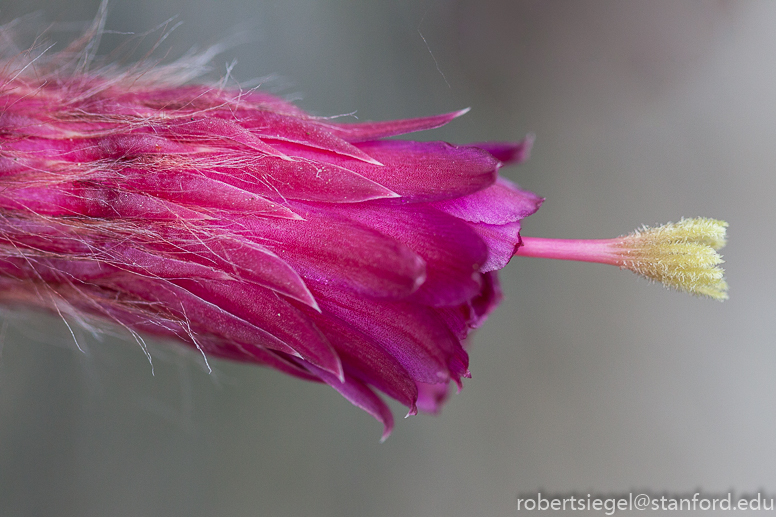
(313, 304)
(305, 297)
(334, 367)
(371, 160)
(354, 152)
(459, 385)
(340, 371)
(386, 432)
(364, 131)
(390, 194)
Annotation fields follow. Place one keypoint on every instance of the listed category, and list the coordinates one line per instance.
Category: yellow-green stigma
(680, 255)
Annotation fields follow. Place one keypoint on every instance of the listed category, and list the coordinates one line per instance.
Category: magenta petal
(417, 171)
(243, 259)
(274, 126)
(217, 131)
(196, 314)
(502, 241)
(152, 265)
(453, 253)
(487, 301)
(432, 396)
(129, 146)
(128, 205)
(46, 269)
(350, 256)
(302, 178)
(264, 309)
(509, 153)
(208, 345)
(471, 315)
(99, 202)
(105, 147)
(358, 394)
(135, 318)
(255, 319)
(415, 335)
(502, 203)
(200, 191)
(421, 170)
(363, 131)
(256, 354)
(367, 361)
(49, 236)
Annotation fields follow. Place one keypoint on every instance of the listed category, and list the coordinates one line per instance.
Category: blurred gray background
(585, 379)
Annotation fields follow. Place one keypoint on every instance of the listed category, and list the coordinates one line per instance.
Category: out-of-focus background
(585, 379)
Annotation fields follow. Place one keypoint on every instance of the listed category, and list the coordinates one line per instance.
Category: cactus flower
(238, 224)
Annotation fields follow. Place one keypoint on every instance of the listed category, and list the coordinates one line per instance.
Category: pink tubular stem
(602, 251)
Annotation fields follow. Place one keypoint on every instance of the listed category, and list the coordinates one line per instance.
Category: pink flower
(236, 223)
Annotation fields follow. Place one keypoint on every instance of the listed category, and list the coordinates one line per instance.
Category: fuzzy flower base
(236, 223)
